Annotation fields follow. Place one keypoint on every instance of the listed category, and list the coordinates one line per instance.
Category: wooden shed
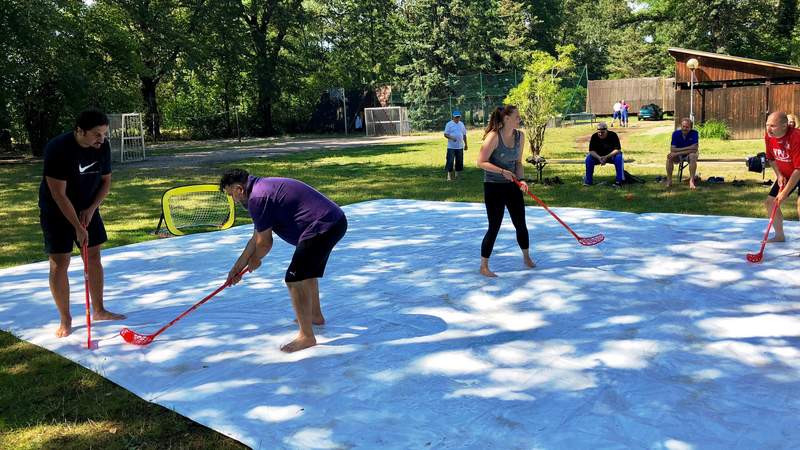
(637, 92)
(738, 91)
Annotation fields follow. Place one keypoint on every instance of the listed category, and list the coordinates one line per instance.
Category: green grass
(47, 401)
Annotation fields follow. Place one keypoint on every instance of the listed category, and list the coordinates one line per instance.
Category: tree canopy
(190, 64)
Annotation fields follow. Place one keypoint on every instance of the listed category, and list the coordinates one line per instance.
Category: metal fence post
(236, 114)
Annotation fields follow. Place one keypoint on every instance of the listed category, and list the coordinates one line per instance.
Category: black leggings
(498, 197)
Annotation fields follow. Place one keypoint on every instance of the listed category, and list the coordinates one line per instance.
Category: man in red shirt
(783, 154)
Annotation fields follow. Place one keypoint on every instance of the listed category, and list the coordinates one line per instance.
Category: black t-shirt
(604, 146)
(82, 169)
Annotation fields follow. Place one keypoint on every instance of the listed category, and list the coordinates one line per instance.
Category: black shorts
(774, 191)
(311, 255)
(59, 235)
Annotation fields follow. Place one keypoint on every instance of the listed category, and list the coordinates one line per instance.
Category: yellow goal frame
(166, 215)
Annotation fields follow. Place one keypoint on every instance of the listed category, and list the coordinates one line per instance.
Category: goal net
(195, 208)
(126, 136)
(391, 120)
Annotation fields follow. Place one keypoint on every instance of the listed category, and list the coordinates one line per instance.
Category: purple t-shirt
(294, 210)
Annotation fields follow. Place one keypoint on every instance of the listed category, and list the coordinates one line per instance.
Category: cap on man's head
(602, 126)
(456, 113)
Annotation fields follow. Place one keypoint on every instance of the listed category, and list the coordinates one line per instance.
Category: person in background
(456, 133)
(685, 145)
(623, 111)
(604, 146)
(617, 113)
(792, 120)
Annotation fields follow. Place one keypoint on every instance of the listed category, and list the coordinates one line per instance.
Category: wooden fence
(637, 92)
(743, 108)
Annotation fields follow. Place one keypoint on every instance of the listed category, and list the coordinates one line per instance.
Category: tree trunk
(42, 112)
(264, 107)
(152, 117)
(536, 139)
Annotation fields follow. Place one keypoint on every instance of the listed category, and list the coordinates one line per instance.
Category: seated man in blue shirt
(685, 145)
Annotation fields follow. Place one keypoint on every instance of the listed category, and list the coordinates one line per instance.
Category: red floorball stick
(85, 257)
(135, 338)
(757, 257)
(592, 240)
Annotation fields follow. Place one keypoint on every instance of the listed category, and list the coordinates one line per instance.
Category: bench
(540, 163)
(684, 163)
(580, 117)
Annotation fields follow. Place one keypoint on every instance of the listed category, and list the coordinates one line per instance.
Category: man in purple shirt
(301, 216)
(684, 145)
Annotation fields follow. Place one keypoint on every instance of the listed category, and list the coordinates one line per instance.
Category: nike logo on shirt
(82, 169)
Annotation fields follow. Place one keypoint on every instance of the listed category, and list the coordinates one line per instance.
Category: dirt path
(643, 128)
(228, 150)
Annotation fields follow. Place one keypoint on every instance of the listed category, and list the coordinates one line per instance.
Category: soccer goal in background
(126, 136)
(195, 208)
(390, 120)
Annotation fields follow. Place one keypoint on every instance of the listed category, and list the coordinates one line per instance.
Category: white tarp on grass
(663, 336)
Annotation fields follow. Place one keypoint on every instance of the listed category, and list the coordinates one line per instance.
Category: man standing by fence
(456, 134)
(617, 113)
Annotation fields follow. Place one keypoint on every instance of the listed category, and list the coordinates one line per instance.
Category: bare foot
(315, 320)
(777, 238)
(487, 273)
(107, 315)
(299, 343)
(64, 329)
(691, 185)
(528, 261)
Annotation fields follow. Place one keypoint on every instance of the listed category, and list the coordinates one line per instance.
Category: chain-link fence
(477, 95)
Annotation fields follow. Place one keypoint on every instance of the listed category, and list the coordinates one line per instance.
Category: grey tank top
(504, 157)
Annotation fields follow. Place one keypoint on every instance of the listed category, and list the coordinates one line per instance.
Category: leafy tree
(734, 27)
(517, 43)
(784, 31)
(360, 40)
(159, 31)
(44, 67)
(439, 38)
(270, 24)
(209, 85)
(537, 95)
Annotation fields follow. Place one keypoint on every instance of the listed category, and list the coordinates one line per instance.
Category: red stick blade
(755, 257)
(594, 240)
(132, 337)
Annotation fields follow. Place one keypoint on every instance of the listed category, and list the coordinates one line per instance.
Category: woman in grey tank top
(501, 160)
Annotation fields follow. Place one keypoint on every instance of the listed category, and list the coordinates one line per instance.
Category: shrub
(715, 129)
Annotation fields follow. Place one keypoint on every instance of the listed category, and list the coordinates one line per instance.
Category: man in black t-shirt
(604, 147)
(75, 181)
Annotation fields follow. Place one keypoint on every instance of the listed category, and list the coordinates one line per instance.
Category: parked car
(651, 112)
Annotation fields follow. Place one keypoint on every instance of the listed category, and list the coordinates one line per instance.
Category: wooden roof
(715, 67)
